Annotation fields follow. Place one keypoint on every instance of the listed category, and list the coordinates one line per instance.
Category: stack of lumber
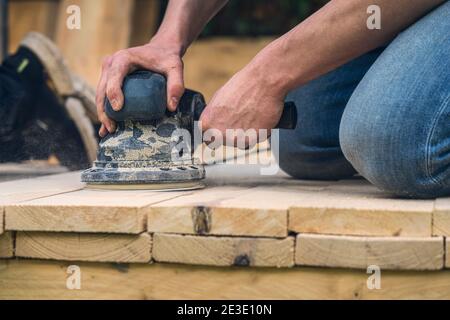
(267, 237)
(279, 223)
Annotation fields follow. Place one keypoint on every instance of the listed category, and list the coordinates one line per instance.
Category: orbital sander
(148, 150)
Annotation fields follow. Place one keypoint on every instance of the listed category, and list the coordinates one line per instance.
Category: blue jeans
(384, 115)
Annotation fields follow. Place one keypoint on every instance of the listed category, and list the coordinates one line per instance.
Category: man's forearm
(185, 19)
(331, 37)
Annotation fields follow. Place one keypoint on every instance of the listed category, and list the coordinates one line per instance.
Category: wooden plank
(26, 189)
(35, 279)
(26, 16)
(355, 207)
(207, 212)
(86, 211)
(84, 247)
(223, 251)
(7, 245)
(105, 29)
(447, 253)
(441, 217)
(145, 21)
(360, 252)
(260, 211)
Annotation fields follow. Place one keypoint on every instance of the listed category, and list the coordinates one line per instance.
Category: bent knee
(401, 158)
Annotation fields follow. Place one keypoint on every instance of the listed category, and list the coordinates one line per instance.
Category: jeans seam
(428, 168)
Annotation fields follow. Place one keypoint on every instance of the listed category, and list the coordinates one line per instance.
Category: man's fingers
(120, 67)
(204, 119)
(114, 89)
(101, 87)
(100, 97)
(103, 131)
(175, 85)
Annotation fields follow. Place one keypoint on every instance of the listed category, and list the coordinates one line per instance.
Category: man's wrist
(264, 69)
(175, 43)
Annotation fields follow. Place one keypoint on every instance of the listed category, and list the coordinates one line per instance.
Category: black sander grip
(146, 99)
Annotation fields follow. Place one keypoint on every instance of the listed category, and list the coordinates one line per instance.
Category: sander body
(147, 150)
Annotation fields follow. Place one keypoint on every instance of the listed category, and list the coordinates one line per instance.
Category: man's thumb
(175, 88)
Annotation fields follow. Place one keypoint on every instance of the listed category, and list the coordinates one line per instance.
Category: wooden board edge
(200, 220)
(39, 279)
(137, 222)
(130, 248)
(338, 229)
(364, 242)
(7, 245)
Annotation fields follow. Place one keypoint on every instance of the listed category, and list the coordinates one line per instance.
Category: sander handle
(145, 99)
(288, 118)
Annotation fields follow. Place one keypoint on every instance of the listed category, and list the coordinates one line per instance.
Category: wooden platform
(241, 219)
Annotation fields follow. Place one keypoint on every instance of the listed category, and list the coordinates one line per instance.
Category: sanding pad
(172, 186)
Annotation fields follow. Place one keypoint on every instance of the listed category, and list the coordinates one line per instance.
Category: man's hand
(183, 22)
(247, 101)
(156, 56)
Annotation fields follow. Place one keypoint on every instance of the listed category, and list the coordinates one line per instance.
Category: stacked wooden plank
(279, 223)
(22, 190)
(40, 279)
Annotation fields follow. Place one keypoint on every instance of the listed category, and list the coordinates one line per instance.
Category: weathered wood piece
(7, 245)
(105, 28)
(37, 279)
(26, 189)
(388, 253)
(86, 211)
(223, 251)
(84, 247)
(441, 217)
(354, 207)
(235, 211)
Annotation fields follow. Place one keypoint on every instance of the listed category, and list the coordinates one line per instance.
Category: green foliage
(260, 17)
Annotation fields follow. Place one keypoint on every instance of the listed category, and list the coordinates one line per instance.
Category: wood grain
(235, 211)
(223, 251)
(389, 253)
(85, 211)
(26, 189)
(145, 21)
(355, 207)
(441, 217)
(36, 279)
(105, 29)
(214, 211)
(7, 245)
(26, 16)
(447, 253)
(84, 247)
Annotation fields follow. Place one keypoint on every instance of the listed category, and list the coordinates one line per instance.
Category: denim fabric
(384, 115)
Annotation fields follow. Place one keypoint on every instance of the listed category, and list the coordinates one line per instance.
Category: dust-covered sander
(148, 150)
